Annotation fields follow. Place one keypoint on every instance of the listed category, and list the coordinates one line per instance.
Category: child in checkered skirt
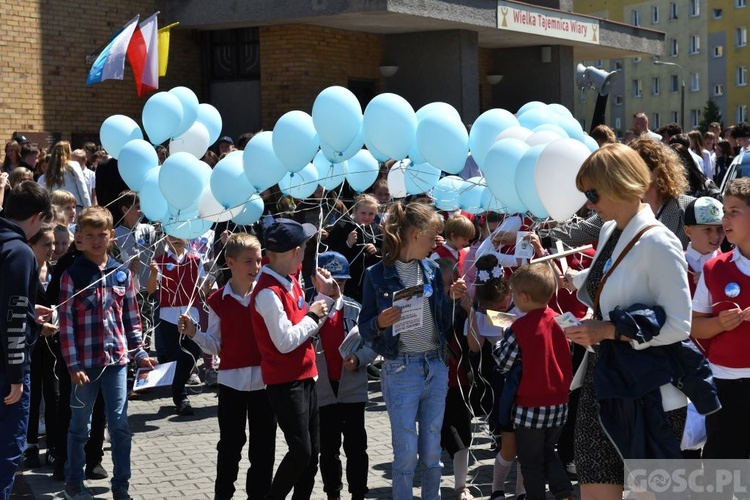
(541, 401)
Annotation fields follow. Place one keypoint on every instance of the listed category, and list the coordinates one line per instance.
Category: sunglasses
(592, 195)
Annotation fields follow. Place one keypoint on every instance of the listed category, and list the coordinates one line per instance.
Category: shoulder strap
(614, 266)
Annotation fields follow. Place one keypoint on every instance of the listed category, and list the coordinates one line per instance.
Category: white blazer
(653, 273)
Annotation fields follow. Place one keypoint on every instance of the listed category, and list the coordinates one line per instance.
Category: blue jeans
(14, 421)
(414, 390)
(113, 384)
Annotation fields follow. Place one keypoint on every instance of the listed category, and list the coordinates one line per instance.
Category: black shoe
(49, 458)
(58, 472)
(185, 409)
(96, 472)
(373, 372)
(31, 458)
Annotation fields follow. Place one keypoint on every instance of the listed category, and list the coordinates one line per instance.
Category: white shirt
(703, 303)
(447, 246)
(696, 260)
(284, 335)
(172, 314)
(248, 378)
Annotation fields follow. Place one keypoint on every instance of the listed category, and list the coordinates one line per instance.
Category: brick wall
(43, 67)
(298, 61)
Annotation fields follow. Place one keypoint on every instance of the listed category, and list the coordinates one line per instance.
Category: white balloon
(555, 177)
(542, 137)
(519, 132)
(194, 141)
(210, 209)
(397, 179)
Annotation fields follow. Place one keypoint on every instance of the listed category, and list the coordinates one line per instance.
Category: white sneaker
(465, 494)
(194, 380)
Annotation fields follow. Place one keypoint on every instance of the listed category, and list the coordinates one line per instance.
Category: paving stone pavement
(175, 457)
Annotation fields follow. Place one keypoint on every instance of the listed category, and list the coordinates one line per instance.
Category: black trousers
(296, 407)
(347, 419)
(236, 410)
(44, 357)
(95, 445)
(185, 351)
(727, 432)
(456, 432)
(540, 463)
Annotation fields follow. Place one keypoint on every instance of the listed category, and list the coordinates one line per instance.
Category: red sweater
(731, 348)
(547, 363)
(332, 335)
(276, 367)
(178, 280)
(238, 346)
(444, 253)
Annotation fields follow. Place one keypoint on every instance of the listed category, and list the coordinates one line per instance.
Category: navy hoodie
(18, 282)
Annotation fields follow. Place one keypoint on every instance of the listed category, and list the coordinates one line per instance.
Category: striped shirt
(421, 339)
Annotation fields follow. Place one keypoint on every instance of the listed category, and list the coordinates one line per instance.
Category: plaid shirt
(538, 417)
(99, 318)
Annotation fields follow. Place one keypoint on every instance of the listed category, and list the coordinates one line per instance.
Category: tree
(711, 113)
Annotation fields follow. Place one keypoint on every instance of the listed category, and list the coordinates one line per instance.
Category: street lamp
(682, 90)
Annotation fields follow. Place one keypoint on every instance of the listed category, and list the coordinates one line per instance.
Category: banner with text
(545, 22)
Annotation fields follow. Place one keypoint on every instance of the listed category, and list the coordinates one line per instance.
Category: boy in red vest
(721, 312)
(458, 231)
(541, 402)
(178, 275)
(283, 325)
(242, 393)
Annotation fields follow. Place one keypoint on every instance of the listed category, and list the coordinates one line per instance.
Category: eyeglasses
(592, 195)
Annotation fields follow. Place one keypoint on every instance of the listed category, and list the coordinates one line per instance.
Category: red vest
(565, 301)
(701, 344)
(332, 335)
(178, 281)
(731, 348)
(547, 362)
(278, 368)
(444, 253)
(238, 346)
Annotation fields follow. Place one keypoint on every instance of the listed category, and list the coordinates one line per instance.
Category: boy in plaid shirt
(99, 326)
(541, 403)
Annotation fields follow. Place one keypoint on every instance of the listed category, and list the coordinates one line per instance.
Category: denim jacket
(381, 281)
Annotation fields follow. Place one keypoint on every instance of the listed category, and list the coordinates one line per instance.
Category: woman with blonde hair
(698, 147)
(63, 173)
(12, 156)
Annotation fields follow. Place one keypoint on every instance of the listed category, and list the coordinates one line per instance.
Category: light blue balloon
(302, 184)
(177, 212)
(337, 116)
(551, 127)
(390, 125)
(182, 179)
(415, 155)
(485, 129)
(381, 157)
(188, 226)
(262, 166)
(442, 108)
(153, 204)
(137, 159)
(529, 106)
(447, 193)
(525, 183)
(294, 140)
(162, 115)
(532, 118)
(116, 131)
(490, 203)
(559, 109)
(229, 184)
(443, 142)
(362, 171)
(330, 175)
(252, 211)
(420, 178)
(572, 127)
(210, 117)
(341, 156)
(470, 199)
(590, 143)
(190, 105)
(501, 163)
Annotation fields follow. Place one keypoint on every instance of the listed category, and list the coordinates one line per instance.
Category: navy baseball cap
(226, 138)
(336, 264)
(286, 234)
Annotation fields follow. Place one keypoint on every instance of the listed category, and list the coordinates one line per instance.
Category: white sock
(461, 467)
(500, 473)
(520, 488)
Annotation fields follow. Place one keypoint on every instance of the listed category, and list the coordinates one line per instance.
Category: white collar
(452, 250)
(179, 258)
(691, 254)
(283, 280)
(738, 257)
(228, 290)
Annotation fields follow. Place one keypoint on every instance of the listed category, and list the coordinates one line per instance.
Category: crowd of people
(288, 318)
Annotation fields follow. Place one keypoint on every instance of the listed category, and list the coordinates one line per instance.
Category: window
(618, 65)
(599, 63)
(655, 14)
(694, 117)
(674, 83)
(695, 44)
(695, 8)
(740, 4)
(635, 18)
(637, 88)
(695, 82)
(655, 86)
(718, 13)
(740, 37)
(656, 120)
(673, 116)
(742, 113)
(718, 89)
(741, 76)
(636, 60)
(618, 100)
(235, 54)
(719, 51)
(673, 10)
(618, 123)
(673, 47)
